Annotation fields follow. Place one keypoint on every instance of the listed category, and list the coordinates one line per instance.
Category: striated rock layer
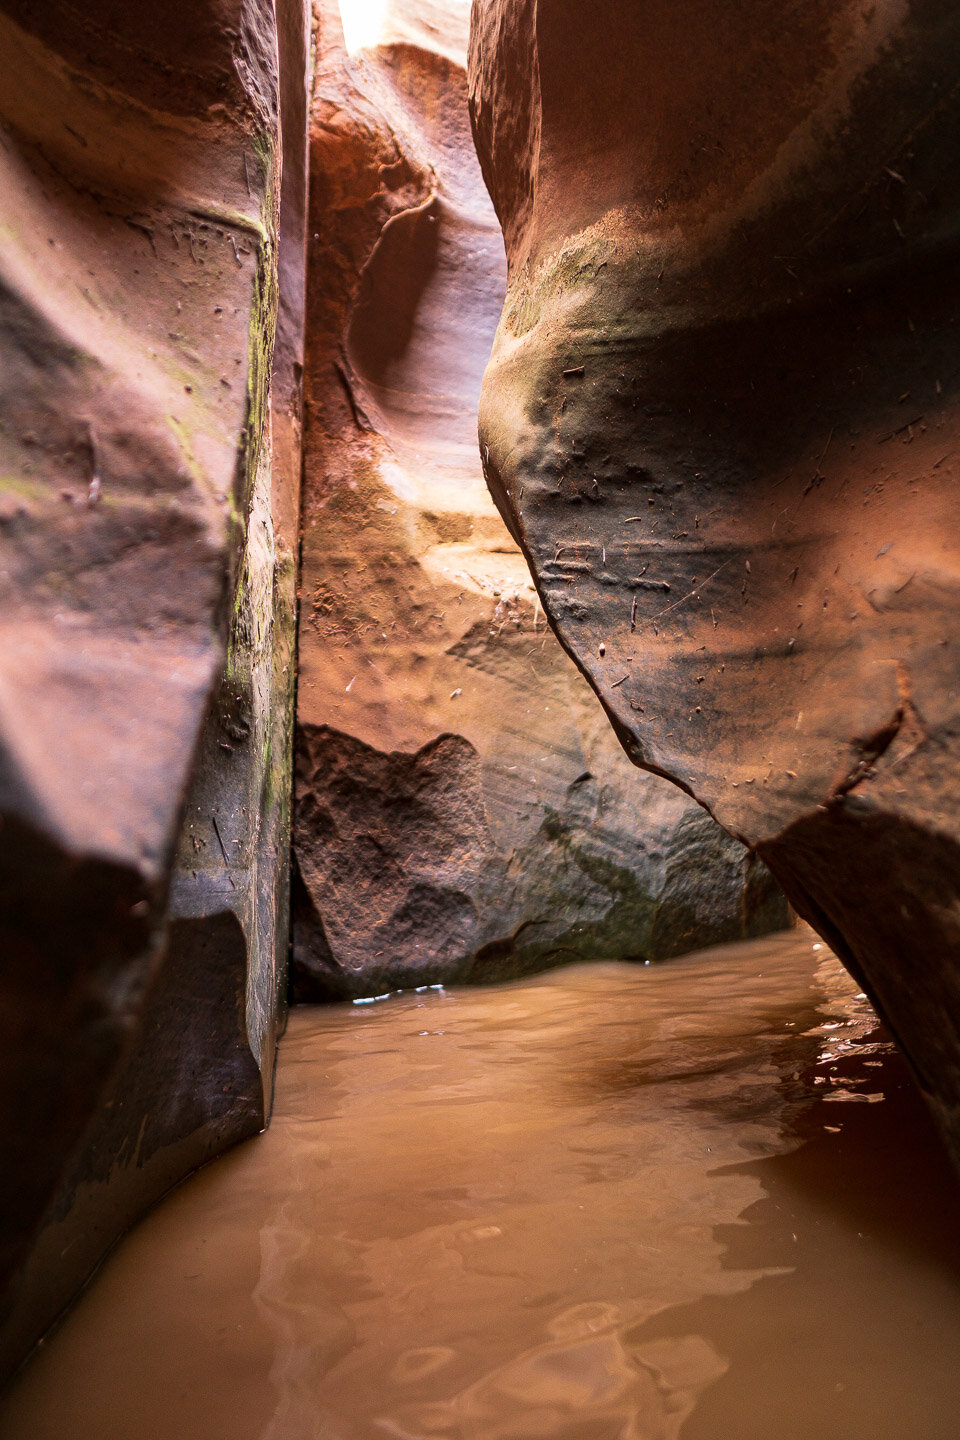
(147, 546)
(722, 421)
(462, 810)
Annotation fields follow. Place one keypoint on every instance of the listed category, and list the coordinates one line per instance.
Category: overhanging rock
(722, 421)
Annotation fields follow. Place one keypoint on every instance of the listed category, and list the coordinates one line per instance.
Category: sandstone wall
(721, 420)
(463, 811)
(148, 507)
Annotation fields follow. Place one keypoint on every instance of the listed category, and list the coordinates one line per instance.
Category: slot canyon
(479, 885)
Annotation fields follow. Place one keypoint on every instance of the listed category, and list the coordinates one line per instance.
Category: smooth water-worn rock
(462, 809)
(147, 546)
(721, 420)
(404, 879)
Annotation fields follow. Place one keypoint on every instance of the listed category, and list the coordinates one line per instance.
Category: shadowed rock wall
(722, 421)
(147, 550)
(463, 812)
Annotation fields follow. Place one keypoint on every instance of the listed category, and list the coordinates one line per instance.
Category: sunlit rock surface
(462, 809)
(147, 544)
(721, 420)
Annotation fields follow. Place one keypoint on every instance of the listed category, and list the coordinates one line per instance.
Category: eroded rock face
(721, 419)
(404, 879)
(463, 812)
(147, 585)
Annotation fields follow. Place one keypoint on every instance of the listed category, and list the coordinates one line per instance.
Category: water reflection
(609, 1202)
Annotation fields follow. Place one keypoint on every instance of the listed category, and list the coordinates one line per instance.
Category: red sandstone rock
(146, 600)
(462, 810)
(721, 419)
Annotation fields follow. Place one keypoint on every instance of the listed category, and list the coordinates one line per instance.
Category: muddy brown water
(697, 1200)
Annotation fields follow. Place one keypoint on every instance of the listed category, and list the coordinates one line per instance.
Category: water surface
(697, 1200)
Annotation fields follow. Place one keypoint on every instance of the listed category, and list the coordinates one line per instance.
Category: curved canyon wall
(148, 510)
(721, 420)
(462, 810)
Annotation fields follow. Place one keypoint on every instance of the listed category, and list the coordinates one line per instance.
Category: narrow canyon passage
(308, 697)
(312, 693)
(463, 809)
(614, 1202)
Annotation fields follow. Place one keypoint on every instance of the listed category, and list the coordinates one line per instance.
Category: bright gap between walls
(363, 23)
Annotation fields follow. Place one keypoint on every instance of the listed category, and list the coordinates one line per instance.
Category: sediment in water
(613, 1201)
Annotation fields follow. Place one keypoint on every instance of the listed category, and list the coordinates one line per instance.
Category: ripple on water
(611, 1203)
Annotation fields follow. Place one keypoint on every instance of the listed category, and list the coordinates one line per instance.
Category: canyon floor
(697, 1199)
